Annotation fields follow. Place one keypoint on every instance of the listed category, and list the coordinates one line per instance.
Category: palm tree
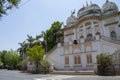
(23, 48)
(30, 40)
(37, 40)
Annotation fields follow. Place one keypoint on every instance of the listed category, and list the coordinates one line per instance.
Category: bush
(104, 62)
(46, 66)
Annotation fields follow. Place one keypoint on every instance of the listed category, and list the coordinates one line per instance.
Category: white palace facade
(93, 31)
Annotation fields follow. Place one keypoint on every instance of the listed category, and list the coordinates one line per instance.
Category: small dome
(71, 19)
(109, 7)
(94, 7)
(88, 10)
(81, 12)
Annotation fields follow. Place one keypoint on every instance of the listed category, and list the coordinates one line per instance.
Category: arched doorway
(89, 36)
(113, 34)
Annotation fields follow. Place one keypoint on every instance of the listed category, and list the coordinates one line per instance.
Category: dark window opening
(113, 34)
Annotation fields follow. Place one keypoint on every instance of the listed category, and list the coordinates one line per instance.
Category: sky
(34, 16)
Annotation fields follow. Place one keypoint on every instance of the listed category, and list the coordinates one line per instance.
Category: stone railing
(52, 49)
(112, 40)
(116, 56)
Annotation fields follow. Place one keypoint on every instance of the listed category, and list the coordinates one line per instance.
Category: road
(17, 75)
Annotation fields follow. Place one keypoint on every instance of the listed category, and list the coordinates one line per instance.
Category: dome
(71, 19)
(93, 9)
(109, 7)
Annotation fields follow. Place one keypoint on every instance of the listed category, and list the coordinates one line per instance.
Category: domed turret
(109, 8)
(71, 19)
(92, 9)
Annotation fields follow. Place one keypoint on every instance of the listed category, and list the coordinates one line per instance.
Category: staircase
(116, 57)
(112, 40)
(52, 50)
(116, 62)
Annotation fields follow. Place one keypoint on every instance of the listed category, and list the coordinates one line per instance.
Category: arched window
(89, 36)
(81, 36)
(98, 33)
(113, 34)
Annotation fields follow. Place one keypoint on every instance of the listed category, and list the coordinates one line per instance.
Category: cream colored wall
(98, 46)
(57, 57)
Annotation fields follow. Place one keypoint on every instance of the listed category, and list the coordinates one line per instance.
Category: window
(88, 23)
(77, 59)
(113, 34)
(95, 22)
(89, 58)
(89, 36)
(81, 26)
(66, 59)
(97, 33)
(96, 26)
(88, 28)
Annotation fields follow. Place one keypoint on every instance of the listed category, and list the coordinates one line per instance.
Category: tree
(37, 40)
(104, 61)
(51, 35)
(1, 62)
(23, 49)
(2, 56)
(6, 5)
(30, 41)
(36, 54)
(12, 58)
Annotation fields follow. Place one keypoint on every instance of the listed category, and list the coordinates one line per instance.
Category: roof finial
(72, 12)
(86, 3)
(107, 0)
(90, 2)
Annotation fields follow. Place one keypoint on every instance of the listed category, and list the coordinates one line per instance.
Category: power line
(16, 8)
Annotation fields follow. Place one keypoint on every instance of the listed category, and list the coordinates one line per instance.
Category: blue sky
(37, 16)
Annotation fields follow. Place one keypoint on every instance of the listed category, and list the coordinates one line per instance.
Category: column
(93, 30)
(84, 30)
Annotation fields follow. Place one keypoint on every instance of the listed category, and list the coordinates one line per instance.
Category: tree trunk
(37, 68)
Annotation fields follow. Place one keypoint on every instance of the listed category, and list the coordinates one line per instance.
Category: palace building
(93, 31)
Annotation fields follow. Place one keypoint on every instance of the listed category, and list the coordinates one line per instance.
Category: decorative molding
(111, 23)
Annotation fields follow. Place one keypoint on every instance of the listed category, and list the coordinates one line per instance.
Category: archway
(89, 36)
(113, 34)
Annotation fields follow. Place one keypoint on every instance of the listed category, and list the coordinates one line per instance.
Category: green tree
(36, 54)
(2, 56)
(30, 41)
(1, 62)
(104, 61)
(37, 40)
(12, 58)
(51, 35)
(23, 49)
(7, 5)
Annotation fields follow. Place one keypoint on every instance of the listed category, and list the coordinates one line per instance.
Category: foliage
(44, 63)
(7, 5)
(2, 56)
(23, 48)
(36, 53)
(32, 45)
(104, 61)
(119, 24)
(51, 35)
(12, 58)
(29, 43)
(1, 62)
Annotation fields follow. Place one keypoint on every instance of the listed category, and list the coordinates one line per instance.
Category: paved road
(17, 75)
